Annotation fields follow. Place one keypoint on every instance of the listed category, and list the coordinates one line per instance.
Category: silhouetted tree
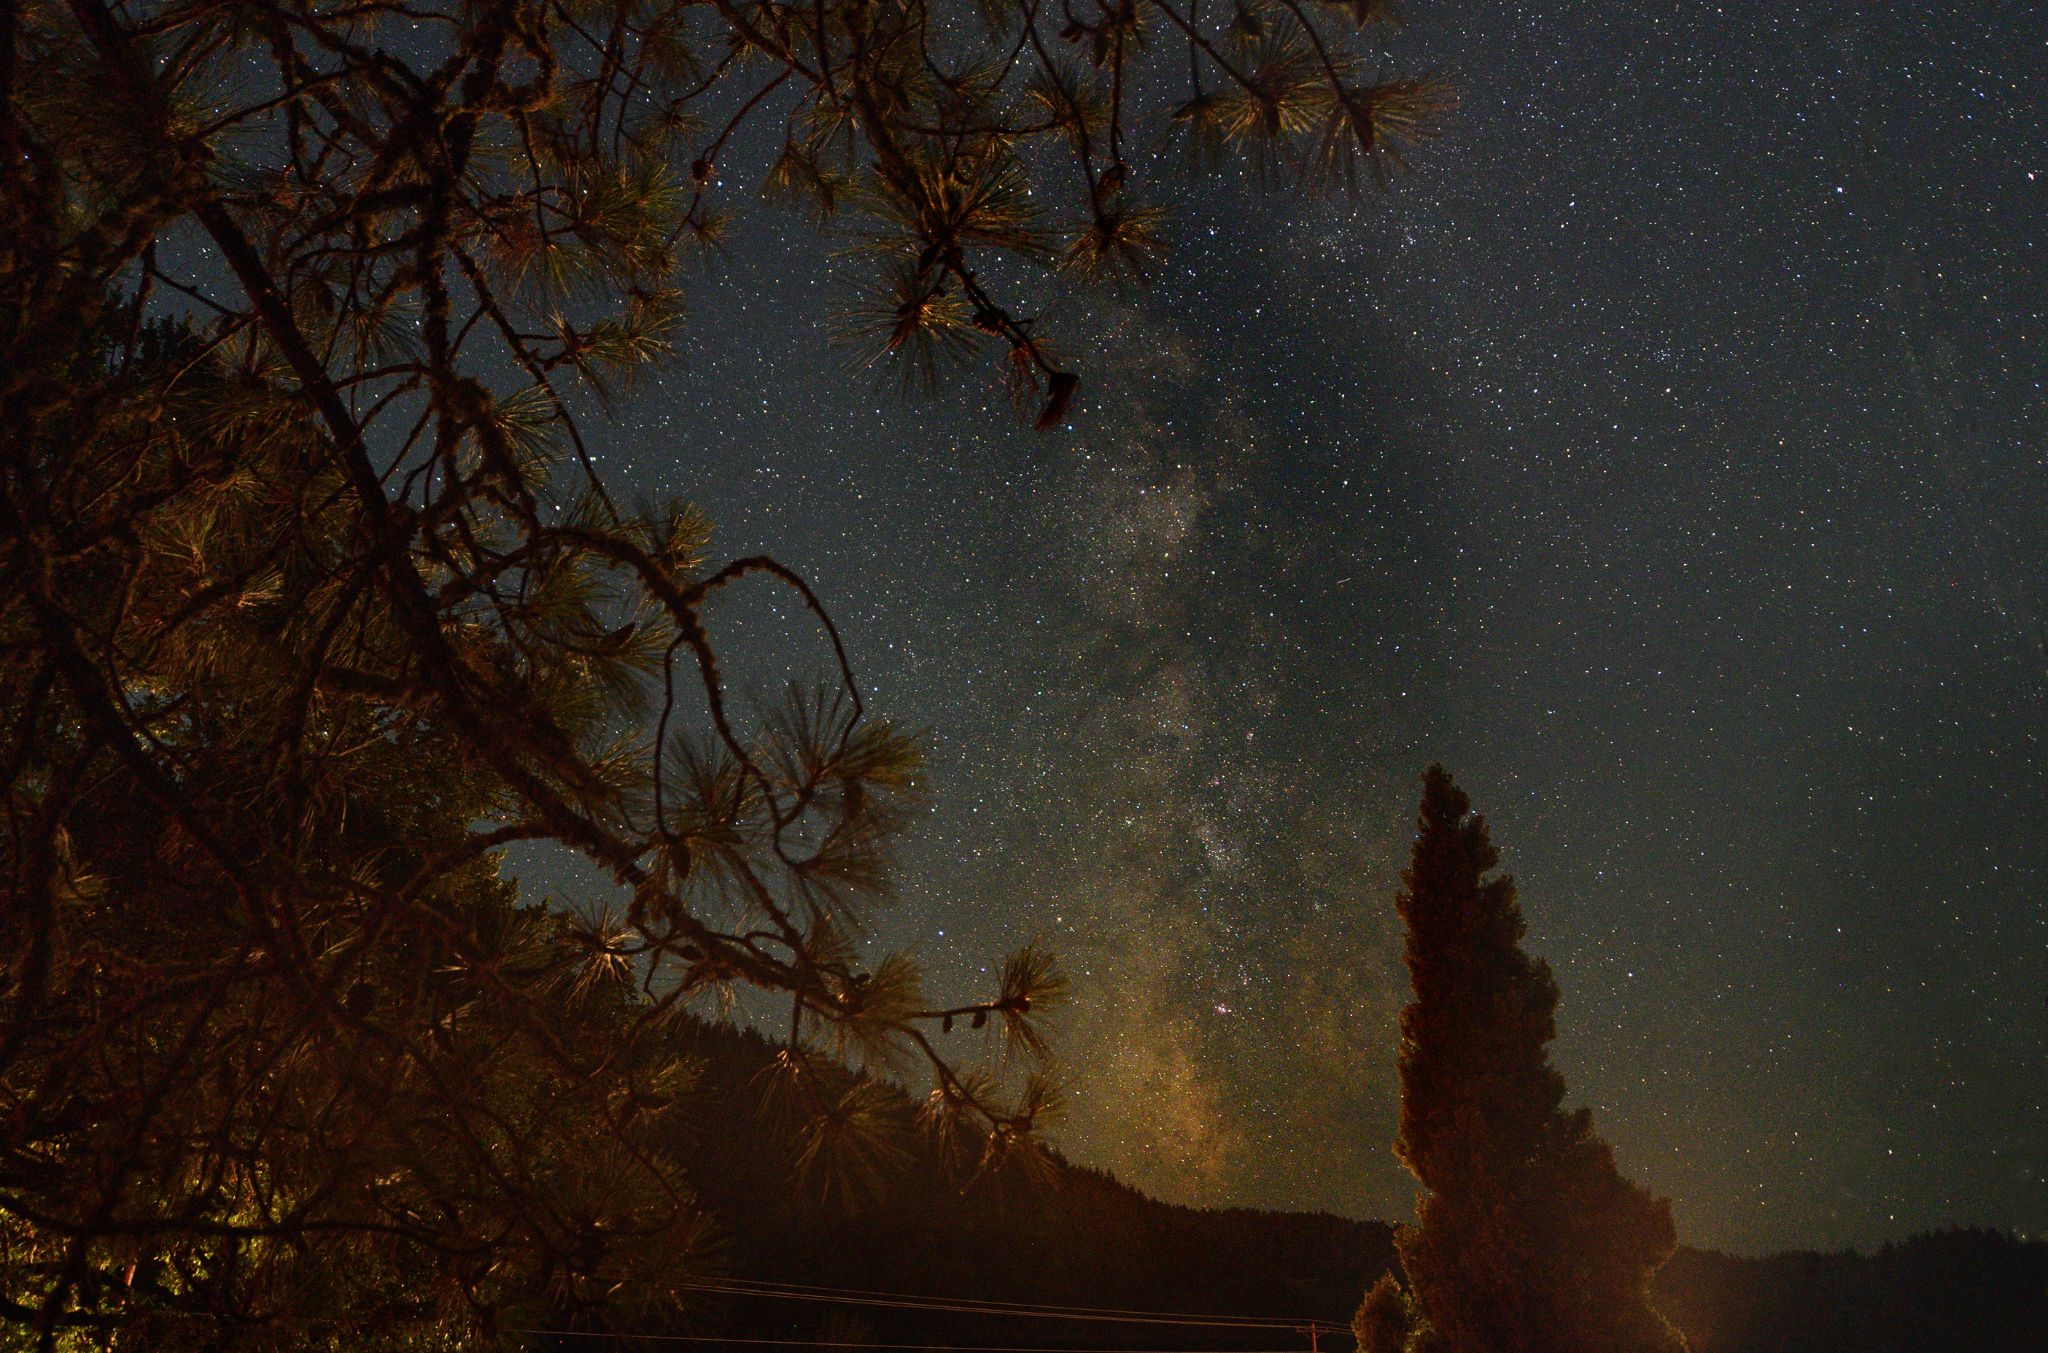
(1527, 1239)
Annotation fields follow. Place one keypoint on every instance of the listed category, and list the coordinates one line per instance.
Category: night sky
(1665, 456)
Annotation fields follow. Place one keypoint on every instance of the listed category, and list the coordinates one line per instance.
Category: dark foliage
(1956, 1291)
(1065, 1234)
(1077, 1237)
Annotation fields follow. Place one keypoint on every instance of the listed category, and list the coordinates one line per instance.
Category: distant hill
(1084, 1239)
(1958, 1291)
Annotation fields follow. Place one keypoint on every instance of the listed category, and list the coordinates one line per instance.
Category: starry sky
(1665, 455)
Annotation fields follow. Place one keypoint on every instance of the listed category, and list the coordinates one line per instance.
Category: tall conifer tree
(1527, 1238)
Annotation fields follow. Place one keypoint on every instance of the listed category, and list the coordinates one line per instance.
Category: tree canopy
(314, 603)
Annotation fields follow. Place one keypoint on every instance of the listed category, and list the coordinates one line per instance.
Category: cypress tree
(1527, 1239)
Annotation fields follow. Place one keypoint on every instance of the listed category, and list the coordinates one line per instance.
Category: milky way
(1665, 456)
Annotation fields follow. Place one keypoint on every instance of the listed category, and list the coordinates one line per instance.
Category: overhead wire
(853, 1296)
(977, 1306)
(855, 1343)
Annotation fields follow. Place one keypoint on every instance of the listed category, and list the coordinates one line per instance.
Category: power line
(1028, 1310)
(996, 1304)
(854, 1343)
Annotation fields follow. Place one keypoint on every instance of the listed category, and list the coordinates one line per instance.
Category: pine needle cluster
(312, 603)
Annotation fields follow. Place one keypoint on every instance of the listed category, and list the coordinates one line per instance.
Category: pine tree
(312, 601)
(1527, 1239)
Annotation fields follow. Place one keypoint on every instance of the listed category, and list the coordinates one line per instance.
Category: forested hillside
(1078, 1237)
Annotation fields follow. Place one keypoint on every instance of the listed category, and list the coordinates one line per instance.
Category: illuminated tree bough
(313, 603)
